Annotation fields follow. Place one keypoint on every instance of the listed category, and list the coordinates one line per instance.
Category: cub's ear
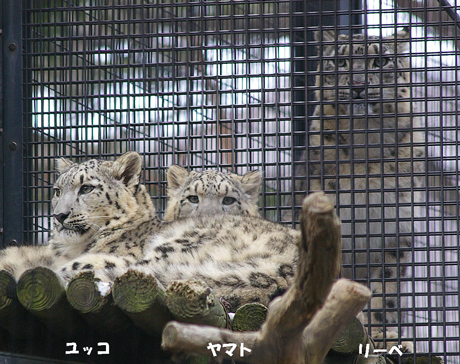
(402, 40)
(326, 35)
(250, 183)
(128, 168)
(63, 164)
(403, 34)
(176, 177)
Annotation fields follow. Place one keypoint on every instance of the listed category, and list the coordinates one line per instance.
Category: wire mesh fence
(232, 85)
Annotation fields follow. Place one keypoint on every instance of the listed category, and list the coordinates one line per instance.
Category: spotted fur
(99, 207)
(211, 192)
(242, 258)
(362, 135)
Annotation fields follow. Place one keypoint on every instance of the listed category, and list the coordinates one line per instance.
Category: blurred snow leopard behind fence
(366, 149)
(211, 192)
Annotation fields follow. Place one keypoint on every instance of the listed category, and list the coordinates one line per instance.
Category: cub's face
(367, 70)
(93, 195)
(211, 192)
(83, 198)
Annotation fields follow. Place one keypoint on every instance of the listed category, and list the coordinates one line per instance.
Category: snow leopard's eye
(86, 189)
(193, 199)
(228, 200)
(57, 192)
(381, 61)
(341, 62)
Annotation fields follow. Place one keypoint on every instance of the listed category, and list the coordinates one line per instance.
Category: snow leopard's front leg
(16, 260)
(106, 267)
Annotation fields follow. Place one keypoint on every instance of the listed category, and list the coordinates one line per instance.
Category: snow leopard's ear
(327, 41)
(326, 35)
(176, 177)
(128, 168)
(250, 183)
(402, 40)
(63, 165)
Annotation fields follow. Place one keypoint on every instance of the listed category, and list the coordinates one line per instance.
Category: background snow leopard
(211, 192)
(366, 149)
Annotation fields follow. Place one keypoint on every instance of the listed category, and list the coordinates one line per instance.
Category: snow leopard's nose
(358, 89)
(358, 93)
(61, 217)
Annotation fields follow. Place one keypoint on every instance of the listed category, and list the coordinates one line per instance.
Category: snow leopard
(211, 192)
(365, 148)
(242, 258)
(98, 207)
(191, 194)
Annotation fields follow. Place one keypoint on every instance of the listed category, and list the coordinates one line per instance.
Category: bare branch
(292, 333)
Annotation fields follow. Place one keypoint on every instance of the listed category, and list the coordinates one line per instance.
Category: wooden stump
(249, 317)
(13, 315)
(93, 300)
(349, 339)
(142, 298)
(193, 301)
(42, 293)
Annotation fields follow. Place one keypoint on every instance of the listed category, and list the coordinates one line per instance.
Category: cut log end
(193, 301)
(7, 289)
(142, 298)
(83, 293)
(39, 289)
(135, 291)
(249, 317)
(349, 339)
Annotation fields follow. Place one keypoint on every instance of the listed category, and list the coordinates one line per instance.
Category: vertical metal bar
(11, 139)
(299, 68)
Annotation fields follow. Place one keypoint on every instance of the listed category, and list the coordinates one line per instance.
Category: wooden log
(13, 316)
(192, 301)
(249, 317)
(142, 298)
(370, 359)
(93, 300)
(350, 338)
(301, 325)
(42, 293)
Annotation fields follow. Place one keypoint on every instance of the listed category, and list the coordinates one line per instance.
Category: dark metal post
(11, 124)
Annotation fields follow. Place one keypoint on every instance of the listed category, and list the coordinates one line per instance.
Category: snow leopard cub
(99, 207)
(211, 192)
(242, 258)
(365, 148)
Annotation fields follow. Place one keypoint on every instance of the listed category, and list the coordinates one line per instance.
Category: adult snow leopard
(365, 147)
(211, 192)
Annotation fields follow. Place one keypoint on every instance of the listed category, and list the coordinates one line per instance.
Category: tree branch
(298, 329)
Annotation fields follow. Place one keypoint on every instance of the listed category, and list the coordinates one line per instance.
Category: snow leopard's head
(210, 193)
